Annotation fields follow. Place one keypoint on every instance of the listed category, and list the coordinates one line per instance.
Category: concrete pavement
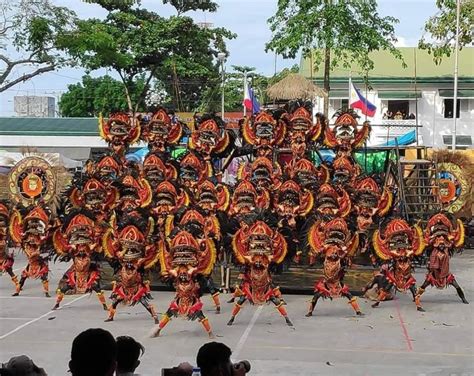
(393, 339)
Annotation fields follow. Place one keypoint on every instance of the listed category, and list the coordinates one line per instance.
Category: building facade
(34, 106)
(421, 93)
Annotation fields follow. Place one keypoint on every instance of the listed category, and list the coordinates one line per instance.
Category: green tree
(97, 95)
(183, 6)
(136, 42)
(334, 31)
(442, 28)
(234, 88)
(28, 38)
(190, 66)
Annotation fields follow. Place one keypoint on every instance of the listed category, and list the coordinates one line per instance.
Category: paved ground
(394, 339)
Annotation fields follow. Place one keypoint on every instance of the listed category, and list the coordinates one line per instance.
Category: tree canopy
(136, 42)
(98, 95)
(233, 88)
(31, 30)
(183, 6)
(336, 32)
(442, 28)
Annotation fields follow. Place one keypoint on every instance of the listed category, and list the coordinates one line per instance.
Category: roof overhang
(464, 93)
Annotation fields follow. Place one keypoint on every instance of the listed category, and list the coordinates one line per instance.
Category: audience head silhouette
(93, 353)
(213, 359)
(128, 352)
(21, 366)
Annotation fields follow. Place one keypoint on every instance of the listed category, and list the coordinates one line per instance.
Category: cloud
(401, 42)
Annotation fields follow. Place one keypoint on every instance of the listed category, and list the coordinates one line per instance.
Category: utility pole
(456, 53)
(221, 56)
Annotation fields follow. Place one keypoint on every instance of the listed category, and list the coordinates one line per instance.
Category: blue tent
(406, 139)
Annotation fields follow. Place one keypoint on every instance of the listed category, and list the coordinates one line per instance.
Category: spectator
(21, 366)
(411, 116)
(398, 115)
(128, 352)
(213, 359)
(93, 353)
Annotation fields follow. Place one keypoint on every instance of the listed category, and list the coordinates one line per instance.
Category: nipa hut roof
(295, 86)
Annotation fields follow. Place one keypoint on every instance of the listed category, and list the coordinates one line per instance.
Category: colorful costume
(128, 247)
(397, 245)
(183, 259)
(208, 139)
(119, 131)
(302, 131)
(160, 133)
(334, 241)
(78, 239)
(306, 174)
(32, 232)
(442, 238)
(369, 202)
(34, 182)
(264, 133)
(345, 135)
(206, 230)
(256, 246)
(156, 171)
(292, 205)
(6, 258)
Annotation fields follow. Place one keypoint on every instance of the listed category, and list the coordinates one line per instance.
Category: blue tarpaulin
(406, 139)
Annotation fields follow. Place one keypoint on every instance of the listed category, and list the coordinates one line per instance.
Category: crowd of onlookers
(95, 352)
(399, 115)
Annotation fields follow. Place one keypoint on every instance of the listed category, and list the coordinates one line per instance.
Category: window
(449, 108)
(462, 141)
(336, 104)
(398, 110)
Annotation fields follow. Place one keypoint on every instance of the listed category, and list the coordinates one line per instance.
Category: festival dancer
(397, 245)
(119, 131)
(183, 260)
(32, 231)
(346, 135)
(6, 258)
(161, 133)
(442, 239)
(78, 240)
(335, 242)
(130, 251)
(369, 202)
(264, 133)
(257, 246)
(34, 183)
(292, 204)
(302, 131)
(210, 139)
(206, 230)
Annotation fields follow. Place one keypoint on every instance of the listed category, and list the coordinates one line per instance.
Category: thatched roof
(295, 86)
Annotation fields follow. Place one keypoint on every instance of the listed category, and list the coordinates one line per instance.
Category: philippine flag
(250, 101)
(358, 101)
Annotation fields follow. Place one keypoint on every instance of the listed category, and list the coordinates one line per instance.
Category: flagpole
(456, 53)
(245, 91)
(366, 93)
(350, 88)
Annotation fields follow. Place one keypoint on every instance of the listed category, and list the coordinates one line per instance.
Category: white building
(34, 106)
(423, 89)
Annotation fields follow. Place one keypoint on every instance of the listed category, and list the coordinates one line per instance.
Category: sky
(246, 18)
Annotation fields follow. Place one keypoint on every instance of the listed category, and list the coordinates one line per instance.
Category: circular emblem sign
(453, 186)
(32, 180)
